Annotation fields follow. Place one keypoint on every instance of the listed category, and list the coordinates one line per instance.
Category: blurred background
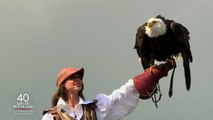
(39, 37)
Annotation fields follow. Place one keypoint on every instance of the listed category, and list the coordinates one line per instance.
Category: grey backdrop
(39, 37)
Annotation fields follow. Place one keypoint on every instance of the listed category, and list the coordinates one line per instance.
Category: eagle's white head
(155, 27)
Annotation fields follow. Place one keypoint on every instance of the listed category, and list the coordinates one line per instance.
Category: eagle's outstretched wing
(182, 35)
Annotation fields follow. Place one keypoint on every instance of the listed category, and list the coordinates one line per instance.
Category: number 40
(24, 97)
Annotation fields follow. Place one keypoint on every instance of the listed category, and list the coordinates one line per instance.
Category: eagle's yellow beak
(150, 24)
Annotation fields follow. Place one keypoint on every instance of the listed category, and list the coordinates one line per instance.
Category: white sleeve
(117, 105)
(47, 116)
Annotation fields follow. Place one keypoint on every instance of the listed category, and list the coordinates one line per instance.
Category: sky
(39, 37)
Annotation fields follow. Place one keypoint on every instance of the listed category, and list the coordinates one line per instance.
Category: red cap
(67, 72)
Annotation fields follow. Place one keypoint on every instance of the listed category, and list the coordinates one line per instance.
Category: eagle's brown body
(173, 42)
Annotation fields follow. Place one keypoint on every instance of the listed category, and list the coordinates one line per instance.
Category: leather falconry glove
(146, 82)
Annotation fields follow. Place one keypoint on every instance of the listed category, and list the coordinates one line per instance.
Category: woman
(68, 101)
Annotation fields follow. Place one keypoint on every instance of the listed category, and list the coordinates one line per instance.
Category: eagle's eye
(154, 22)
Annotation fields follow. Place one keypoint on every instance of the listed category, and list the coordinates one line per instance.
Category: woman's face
(73, 83)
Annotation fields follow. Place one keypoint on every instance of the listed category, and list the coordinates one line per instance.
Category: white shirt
(115, 106)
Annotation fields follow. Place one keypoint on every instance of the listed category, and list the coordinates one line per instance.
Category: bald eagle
(161, 39)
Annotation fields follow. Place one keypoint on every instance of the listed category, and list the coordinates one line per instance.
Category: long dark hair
(62, 92)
